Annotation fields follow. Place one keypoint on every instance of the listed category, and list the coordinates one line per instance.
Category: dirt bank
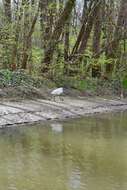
(30, 111)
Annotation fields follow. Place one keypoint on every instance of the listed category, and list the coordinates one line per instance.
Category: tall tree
(27, 43)
(66, 40)
(121, 26)
(85, 17)
(56, 34)
(7, 27)
(97, 29)
(7, 10)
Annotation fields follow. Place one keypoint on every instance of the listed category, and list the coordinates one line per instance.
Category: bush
(17, 78)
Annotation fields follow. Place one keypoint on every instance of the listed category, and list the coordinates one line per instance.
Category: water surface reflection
(83, 154)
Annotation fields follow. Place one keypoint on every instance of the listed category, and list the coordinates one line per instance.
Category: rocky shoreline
(39, 110)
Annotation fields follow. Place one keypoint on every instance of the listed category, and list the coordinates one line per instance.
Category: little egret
(57, 92)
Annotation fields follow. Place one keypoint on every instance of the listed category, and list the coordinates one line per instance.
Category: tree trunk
(87, 31)
(56, 34)
(28, 41)
(7, 10)
(26, 25)
(17, 26)
(97, 29)
(110, 20)
(66, 41)
(120, 28)
(7, 25)
(82, 30)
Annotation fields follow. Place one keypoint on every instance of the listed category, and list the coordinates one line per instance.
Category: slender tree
(56, 34)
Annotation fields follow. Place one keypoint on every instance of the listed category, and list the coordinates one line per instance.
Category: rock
(2, 93)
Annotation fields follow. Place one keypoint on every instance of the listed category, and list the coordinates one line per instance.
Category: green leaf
(124, 83)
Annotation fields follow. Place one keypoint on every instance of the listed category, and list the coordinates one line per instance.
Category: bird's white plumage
(57, 91)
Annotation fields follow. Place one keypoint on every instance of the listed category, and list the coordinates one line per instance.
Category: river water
(81, 154)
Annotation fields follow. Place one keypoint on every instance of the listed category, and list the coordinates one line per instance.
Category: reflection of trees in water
(74, 151)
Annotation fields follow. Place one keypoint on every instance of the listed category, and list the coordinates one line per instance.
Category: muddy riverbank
(30, 111)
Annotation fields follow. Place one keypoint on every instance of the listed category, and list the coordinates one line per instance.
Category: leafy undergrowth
(17, 78)
(18, 84)
(95, 86)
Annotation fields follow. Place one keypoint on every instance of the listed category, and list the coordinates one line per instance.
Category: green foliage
(103, 60)
(124, 83)
(74, 73)
(36, 59)
(6, 43)
(5, 77)
(17, 78)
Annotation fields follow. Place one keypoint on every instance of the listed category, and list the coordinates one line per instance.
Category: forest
(63, 94)
(80, 44)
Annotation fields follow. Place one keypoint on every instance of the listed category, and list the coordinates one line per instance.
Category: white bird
(57, 92)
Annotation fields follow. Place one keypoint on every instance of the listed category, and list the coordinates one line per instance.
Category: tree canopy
(64, 37)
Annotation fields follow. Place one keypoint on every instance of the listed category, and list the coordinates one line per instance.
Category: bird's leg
(61, 98)
(54, 99)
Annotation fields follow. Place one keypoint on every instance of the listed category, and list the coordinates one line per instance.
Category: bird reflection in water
(57, 127)
(75, 179)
